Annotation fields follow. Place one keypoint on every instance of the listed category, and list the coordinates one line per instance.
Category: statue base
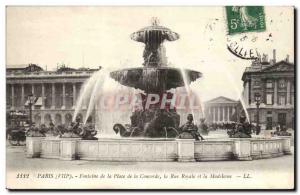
(186, 149)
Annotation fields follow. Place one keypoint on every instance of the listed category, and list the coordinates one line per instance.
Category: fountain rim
(159, 68)
(155, 28)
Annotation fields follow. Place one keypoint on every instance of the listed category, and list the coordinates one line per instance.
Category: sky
(99, 36)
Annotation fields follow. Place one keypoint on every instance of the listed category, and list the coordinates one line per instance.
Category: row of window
(269, 84)
(282, 100)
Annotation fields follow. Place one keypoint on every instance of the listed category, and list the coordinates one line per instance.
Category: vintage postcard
(150, 97)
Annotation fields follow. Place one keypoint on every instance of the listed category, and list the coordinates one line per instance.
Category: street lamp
(31, 99)
(257, 100)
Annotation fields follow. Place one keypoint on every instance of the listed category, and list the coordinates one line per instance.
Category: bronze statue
(281, 131)
(51, 131)
(88, 132)
(34, 131)
(241, 130)
(190, 130)
(78, 130)
(203, 127)
(150, 123)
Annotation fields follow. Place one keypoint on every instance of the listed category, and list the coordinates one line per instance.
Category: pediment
(221, 99)
(281, 66)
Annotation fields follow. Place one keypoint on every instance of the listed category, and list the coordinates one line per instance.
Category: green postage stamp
(242, 19)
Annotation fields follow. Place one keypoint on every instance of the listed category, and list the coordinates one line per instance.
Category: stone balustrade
(47, 74)
(214, 150)
(127, 150)
(182, 150)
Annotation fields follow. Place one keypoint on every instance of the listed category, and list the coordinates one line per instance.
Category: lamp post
(257, 100)
(31, 99)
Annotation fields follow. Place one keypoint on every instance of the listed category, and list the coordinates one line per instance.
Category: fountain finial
(153, 36)
(155, 21)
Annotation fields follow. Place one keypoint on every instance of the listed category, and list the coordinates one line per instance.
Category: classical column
(228, 115)
(247, 99)
(22, 96)
(219, 114)
(32, 89)
(53, 96)
(74, 95)
(275, 92)
(223, 113)
(32, 92)
(12, 96)
(288, 93)
(63, 121)
(43, 96)
(214, 114)
(42, 118)
(64, 95)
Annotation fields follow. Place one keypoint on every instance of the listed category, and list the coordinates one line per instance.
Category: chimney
(287, 58)
(274, 56)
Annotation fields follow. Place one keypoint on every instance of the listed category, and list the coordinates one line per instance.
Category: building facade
(55, 92)
(274, 82)
(222, 110)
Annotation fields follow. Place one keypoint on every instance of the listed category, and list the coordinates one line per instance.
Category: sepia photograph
(150, 97)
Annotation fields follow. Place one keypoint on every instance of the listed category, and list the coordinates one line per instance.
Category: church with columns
(55, 92)
(222, 110)
(274, 82)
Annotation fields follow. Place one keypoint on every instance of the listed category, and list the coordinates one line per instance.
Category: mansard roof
(25, 67)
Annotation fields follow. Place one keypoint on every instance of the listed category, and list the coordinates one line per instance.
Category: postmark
(243, 25)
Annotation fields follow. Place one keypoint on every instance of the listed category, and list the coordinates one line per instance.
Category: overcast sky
(99, 36)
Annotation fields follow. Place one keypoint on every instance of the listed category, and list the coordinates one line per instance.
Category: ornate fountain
(154, 123)
(154, 78)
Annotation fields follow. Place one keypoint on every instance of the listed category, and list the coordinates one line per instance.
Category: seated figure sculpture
(78, 130)
(88, 132)
(241, 130)
(72, 131)
(150, 123)
(281, 131)
(189, 130)
(203, 127)
(34, 131)
(52, 131)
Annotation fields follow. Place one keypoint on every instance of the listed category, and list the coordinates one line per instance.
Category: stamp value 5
(242, 19)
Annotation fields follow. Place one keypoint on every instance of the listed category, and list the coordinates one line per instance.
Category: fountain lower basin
(148, 149)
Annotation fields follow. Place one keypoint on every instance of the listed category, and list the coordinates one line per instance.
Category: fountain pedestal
(186, 150)
(68, 148)
(33, 147)
(242, 149)
(286, 144)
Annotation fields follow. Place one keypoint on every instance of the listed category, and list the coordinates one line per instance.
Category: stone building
(56, 92)
(222, 110)
(274, 81)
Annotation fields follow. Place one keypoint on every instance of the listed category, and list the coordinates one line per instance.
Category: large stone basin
(158, 149)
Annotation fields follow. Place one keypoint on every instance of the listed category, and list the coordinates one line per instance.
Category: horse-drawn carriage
(17, 125)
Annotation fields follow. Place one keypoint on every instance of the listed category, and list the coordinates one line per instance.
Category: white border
(5, 3)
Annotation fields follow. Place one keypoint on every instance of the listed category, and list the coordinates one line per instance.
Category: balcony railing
(48, 74)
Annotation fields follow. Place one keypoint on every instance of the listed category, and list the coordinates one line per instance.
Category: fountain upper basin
(154, 79)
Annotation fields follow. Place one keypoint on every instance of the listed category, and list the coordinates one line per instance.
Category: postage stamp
(242, 19)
